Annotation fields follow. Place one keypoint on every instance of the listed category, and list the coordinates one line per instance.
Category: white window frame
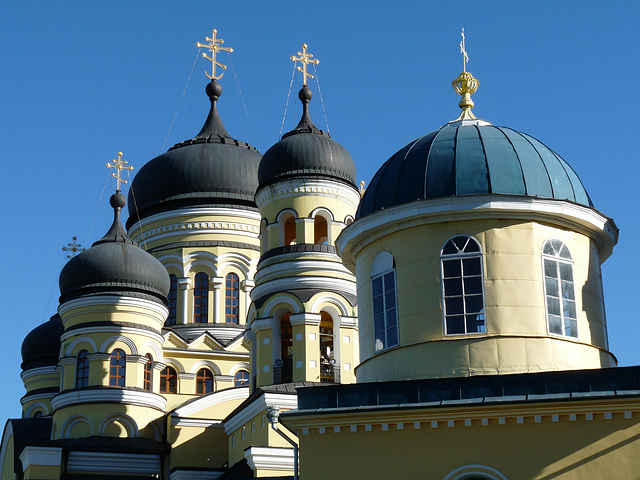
(383, 265)
(559, 260)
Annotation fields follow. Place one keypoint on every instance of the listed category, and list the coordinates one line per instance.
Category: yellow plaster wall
(581, 449)
(198, 447)
(514, 303)
(42, 472)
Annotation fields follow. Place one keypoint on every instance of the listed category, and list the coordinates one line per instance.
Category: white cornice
(27, 374)
(311, 282)
(230, 394)
(39, 396)
(195, 422)
(269, 458)
(199, 228)
(286, 401)
(109, 395)
(563, 213)
(113, 329)
(297, 267)
(114, 300)
(114, 462)
(197, 212)
(40, 456)
(301, 186)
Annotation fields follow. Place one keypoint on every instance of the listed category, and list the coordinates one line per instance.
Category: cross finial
(463, 50)
(305, 58)
(73, 248)
(119, 165)
(214, 46)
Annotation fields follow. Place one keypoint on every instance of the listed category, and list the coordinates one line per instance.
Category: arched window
(173, 300)
(383, 291)
(320, 230)
(241, 378)
(264, 237)
(117, 368)
(232, 298)
(168, 380)
(328, 368)
(204, 381)
(82, 369)
(148, 374)
(201, 298)
(283, 371)
(462, 286)
(559, 289)
(290, 231)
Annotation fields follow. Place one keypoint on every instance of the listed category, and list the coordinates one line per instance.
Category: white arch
(29, 411)
(239, 366)
(157, 351)
(348, 220)
(324, 211)
(200, 258)
(279, 300)
(127, 341)
(285, 211)
(206, 363)
(71, 422)
(467, 471)
(337, 302)
(128, 422)
(77, 342)
(230, 264)
(382, 263)
(172, 362)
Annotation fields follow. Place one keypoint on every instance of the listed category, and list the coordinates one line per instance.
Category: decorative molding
(300, 187)
(196, 228)
(305, 319)
(32, 372)
(294, 266)
(468, 471)
(196, 212)
(315, 282)
(108, 395)
(109, 329)
(112, 462)
(269, 458)
(40, 456)
(230, 394)
(112, 300)
(195, 422)
(258, 406)
(194, 475)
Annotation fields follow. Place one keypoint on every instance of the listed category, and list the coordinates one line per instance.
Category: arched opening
(117, 365)
(204, 381)
(284, 370)
(201, 298)
(241, 378)
(82, 369)
(148, 374)
(173, 300)
(320, 230)
(264, 237)
(168, 380)
(232, 298)
(328, 370)
(290, 231)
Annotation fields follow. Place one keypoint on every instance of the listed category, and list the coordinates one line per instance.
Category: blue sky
(82, 80)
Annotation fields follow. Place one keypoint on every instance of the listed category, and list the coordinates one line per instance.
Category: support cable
(321, 101)
(248, 125)
(284, 116)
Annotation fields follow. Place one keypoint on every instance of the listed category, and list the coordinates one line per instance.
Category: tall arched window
(463, 286)
(201, 298)
(204, 381)
(173, 300)
(241, 378)
(148, 374)
(283, 372)
(290, 231)
(320, 230)
(82, 369)
(383, 291)
(559, 289)
(232, 298)
(117, 367)
(168, 380)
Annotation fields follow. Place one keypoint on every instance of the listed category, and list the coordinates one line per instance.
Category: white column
(216, 283)
(246, 286)
(185, 284)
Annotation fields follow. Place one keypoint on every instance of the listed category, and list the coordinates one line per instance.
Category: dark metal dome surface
(472, 160)
(41, 346)
(210, 169)
(306, 151)
(114, 265)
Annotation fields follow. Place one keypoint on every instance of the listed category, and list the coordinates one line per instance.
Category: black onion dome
(475, 159)
(306, 151)
(114, 265)
(208, 170)
(41, 346)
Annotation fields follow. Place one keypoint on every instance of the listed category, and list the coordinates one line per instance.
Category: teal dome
(472, 159)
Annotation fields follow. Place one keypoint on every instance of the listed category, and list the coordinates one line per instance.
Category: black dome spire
(114, 265)
(211, 169)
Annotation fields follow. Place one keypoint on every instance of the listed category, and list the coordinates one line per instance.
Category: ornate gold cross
(214, 46)
(305, 58)
(463, 49)
(119, 165)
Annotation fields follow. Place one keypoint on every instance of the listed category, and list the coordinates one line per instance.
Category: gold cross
(73, 247)
(119, 165)
(214, 46)
(463, 49)
(305, 58)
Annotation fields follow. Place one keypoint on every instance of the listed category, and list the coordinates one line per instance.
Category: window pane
(567, 290)
(555, 324)
(472, 285)
(552, 286)
(454, 305)
(452, 268)
(564, 252)
(471, 266)
(389, 281)
(572, 328)
(390, 299)
(376, 286)
(449, 248)
(392, 336)
(475, 323)
(569, 308)
(551, 269)
(378, 304)
(379, 342)
(547, 249)
(453, 286)
(378, 322)
(460, 242)
(474, 304)
(455, 324)
(472, 246)
(553, 305)
(566, 272)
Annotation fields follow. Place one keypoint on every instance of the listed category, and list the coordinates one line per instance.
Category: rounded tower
(477, 251)
(40, 350)
(193, 208)
(112, 306)
(303, 317)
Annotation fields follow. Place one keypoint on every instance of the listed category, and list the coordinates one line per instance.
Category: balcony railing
(329, 373)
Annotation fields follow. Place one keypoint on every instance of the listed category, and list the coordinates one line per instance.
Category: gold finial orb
(465, 86)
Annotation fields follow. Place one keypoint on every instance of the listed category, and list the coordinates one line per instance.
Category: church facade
(261, 316)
